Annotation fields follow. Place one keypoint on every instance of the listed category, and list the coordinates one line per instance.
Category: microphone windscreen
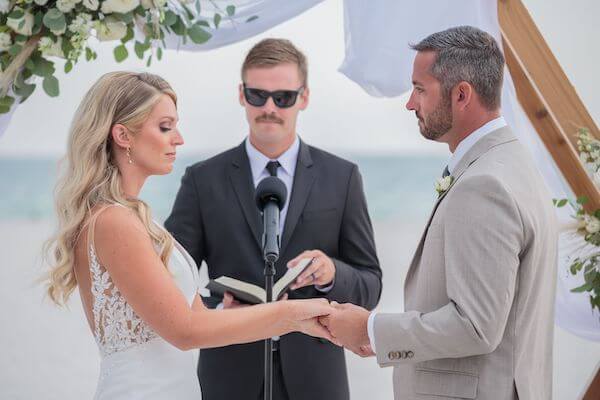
(270, 189)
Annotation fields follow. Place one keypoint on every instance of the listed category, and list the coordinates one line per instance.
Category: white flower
(66, 6)
(592, 224)
(110, 29)
(82, 24)
(27, 26)
(5, 41)
(119, 6)
(91, 4)
(49, 48)
(147, 4)
(4, 6)
(40, 2)
(442, 184)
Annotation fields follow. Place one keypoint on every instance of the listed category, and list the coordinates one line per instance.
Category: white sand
(49, 353)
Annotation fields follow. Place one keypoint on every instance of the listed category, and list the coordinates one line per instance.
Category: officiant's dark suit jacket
(215, 218)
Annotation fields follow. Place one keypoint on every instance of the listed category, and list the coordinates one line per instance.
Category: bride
(138, 286)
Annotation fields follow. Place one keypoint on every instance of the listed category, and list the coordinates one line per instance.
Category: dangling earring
(129, 160)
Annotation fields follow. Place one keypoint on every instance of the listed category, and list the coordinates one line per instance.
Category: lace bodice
(116, 326)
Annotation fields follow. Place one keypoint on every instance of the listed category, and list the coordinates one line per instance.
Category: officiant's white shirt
(462, 149)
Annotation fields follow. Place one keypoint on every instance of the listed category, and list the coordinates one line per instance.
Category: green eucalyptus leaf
(179, 27)
(203, 23)
(252, 18)
(586, 287)
(149, 62)
(561, 203)
(27, 91)
(139, 49)
(68, 67)
(128, 36)
(230, 10)
(159, 53)
(170, 18)
(217, 20)
(120, 53)
(15, 49)
(198, 35)
(582, 200)
(7, 101)
(55, 20)
(16, 14)
(50, 85)
(43, 67)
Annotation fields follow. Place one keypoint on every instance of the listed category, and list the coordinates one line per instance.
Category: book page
(290, 276)
(254, 290)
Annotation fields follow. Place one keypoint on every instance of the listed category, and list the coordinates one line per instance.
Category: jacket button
(410, 354)
(403, 354)
(392, 355)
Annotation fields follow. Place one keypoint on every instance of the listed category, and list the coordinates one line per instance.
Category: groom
(479, 294)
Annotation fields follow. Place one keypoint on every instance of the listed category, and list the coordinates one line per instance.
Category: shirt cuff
(370, 330)
(325, 289)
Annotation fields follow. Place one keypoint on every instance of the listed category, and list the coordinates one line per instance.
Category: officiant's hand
(320, 272)
(348, 326)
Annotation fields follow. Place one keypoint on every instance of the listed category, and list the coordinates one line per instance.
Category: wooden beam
(593, 390)
(545, 122)
(543, 68)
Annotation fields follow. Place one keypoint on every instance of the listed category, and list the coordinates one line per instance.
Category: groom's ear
(463, 95)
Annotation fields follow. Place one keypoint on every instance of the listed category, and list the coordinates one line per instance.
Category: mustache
(269, 118)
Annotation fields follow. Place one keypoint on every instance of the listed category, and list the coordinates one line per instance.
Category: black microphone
(271, 194)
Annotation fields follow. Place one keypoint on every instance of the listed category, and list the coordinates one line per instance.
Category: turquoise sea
(396, 186)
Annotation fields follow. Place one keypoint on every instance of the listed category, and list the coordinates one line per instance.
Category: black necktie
(446, 172)
(272, 167)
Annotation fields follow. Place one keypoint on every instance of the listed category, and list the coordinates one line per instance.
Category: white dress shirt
(258, 166)
(463, 147)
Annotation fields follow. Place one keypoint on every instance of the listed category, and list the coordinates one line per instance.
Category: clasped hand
(347, 325)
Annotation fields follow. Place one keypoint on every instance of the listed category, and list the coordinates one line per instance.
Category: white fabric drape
(233, 29)
(378, 58)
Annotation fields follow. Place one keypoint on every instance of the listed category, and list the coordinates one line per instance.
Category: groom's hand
(348, 325)
(320, 272)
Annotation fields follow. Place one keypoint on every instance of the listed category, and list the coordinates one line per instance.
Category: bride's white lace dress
(136, 362)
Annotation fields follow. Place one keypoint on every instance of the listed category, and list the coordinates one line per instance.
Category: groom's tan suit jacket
(479, 294)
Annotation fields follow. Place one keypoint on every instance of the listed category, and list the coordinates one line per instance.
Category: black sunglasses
(281, 98)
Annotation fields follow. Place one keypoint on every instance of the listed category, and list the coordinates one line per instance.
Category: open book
(253, 294)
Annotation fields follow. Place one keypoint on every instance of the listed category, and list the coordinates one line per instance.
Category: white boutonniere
(442, 184)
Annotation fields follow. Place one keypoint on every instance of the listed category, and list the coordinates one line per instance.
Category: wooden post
(551, 104)
(547, 96)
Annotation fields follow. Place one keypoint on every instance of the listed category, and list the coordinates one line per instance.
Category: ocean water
(395, 186)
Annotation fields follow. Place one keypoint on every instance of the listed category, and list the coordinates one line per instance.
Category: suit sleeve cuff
(371, 330)
(325, 289)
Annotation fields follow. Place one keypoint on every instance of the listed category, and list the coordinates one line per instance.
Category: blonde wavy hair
(90, 176)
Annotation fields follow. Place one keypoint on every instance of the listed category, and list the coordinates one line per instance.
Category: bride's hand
(305, 317)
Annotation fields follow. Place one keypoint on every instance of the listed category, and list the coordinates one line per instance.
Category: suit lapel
(240, 177)
(489, 141)
(304, 178)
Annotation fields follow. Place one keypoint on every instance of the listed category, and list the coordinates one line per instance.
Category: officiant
(325, 218)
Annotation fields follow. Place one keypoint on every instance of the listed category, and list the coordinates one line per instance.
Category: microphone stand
(271, 255)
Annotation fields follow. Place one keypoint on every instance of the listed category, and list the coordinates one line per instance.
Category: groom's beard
(438, 123)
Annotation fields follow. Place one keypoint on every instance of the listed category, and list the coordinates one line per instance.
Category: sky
(341, 117)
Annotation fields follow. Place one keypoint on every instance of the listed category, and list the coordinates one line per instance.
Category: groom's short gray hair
(468, 54)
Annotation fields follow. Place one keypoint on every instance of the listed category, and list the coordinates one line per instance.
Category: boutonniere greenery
(442, 184)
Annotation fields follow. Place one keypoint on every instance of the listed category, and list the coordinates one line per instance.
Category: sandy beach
(49, 353)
